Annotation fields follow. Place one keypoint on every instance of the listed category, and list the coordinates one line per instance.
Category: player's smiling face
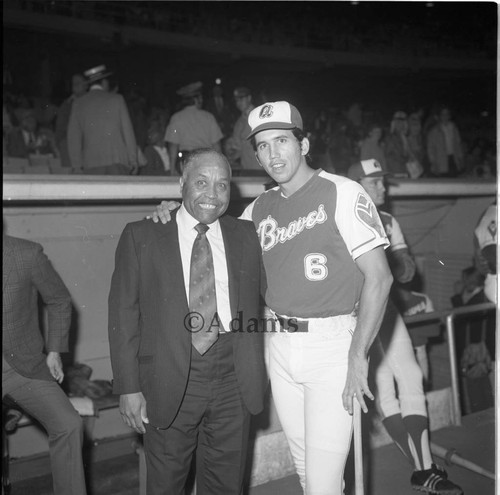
(281, 154)
(205, 188)
(375, 188)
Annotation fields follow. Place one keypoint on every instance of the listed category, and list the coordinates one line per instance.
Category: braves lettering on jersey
(310, 241)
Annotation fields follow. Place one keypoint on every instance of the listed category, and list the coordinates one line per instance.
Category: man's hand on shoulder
(133, 411)
(162, 212)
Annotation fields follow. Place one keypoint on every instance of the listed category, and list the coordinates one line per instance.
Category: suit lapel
(170, 262)
(234, 254)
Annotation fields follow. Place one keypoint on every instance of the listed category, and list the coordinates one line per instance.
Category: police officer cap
(192, 89)
(97, 73)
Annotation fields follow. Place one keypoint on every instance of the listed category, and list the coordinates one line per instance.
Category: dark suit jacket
(150, 346)
(28, 272)
(154, 164)
(16, 145)
(100, 132)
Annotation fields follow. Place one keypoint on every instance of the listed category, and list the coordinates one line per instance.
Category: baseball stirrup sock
(418, 433)
(396, 428)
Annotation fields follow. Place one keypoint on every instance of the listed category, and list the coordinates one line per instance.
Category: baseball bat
(359, 486)
(450, 456)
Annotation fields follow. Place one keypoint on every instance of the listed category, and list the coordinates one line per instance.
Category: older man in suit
(186, 352)
(101, 138)
(29, 376)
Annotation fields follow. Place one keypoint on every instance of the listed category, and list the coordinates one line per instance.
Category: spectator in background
(79, 87)
(221, 110)
(397, 150)
(340, 145)
(31, 377)
(416, 150)
(444, 146)
(136, 105)
(191, 127)
(156, 153)
(320, 139)
(239, 145)
(372, 145)
(101, 139)
(470, 289)
(28, 139)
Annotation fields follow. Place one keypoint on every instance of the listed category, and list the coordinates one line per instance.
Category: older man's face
(206, 187)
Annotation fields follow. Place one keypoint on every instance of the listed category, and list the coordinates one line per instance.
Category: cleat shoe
(434, 481)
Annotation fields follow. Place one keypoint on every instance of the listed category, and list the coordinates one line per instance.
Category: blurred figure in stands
(444, 146)
(396, 145)
(239, 145)
(372, 145)
(28, 139)
(320, 141)
(222, 110)
(79, 87)
(156, 153)
(416, 148)
(191, 127)
(101, 138)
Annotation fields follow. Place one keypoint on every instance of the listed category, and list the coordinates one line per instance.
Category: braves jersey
(310, 241)
(393, 231)
(486, 230)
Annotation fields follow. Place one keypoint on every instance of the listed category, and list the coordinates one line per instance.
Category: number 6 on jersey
(315, 267)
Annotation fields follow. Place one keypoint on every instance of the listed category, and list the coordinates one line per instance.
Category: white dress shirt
(187, 234)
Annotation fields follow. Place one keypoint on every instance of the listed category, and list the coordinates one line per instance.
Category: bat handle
(358, 449)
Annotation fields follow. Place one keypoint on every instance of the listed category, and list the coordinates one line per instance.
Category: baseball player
(393, 359)
(485, 244)
(328, 283)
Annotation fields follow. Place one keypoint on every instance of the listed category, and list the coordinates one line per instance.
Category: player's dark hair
(298, 133)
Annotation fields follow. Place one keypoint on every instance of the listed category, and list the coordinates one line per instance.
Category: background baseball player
(404, 412)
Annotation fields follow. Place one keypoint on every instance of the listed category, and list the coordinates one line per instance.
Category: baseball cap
(274, 115)
(365, 168)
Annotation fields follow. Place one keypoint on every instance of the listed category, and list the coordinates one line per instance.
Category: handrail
(27, 187)
(450, 329)
(448, 317)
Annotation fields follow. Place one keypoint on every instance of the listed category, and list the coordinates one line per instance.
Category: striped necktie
(202, 298)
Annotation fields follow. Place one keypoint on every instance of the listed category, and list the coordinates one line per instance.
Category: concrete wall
(80, 239)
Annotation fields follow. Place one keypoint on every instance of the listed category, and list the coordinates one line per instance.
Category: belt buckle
(292, 325)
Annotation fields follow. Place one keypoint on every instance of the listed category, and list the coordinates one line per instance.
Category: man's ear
(304, 146)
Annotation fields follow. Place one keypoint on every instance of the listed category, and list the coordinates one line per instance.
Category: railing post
(450, 329)
(455, 389)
